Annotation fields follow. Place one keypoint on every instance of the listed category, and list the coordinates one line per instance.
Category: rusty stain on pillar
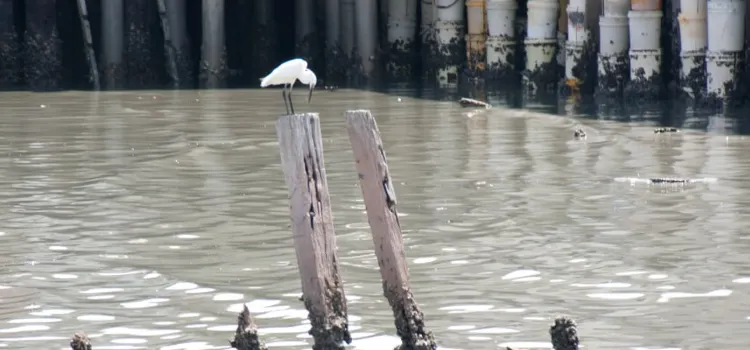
(10, 63)
(43, 48)
(139, 66)
(213, 65)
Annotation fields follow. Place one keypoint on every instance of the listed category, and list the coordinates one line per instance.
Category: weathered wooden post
(246, 336)
(380, 202)
(301, 149)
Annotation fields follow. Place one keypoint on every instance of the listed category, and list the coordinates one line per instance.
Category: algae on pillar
(645, 22)
(139, 64)
(726, 38)
(693, 41)
(613, 48)
(367, 37)
(213, 65)
(112, 43)
(501, 42)
(444, 39)
(402, 26)
(43, 58)
(177, 16)
(9, 48)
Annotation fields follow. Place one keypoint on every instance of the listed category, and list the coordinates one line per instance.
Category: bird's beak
(309, 96)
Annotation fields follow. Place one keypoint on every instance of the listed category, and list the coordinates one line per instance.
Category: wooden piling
(246, 336)
(301, 149)
(10, 72)
(169, 46)
(88, 43)
(43, 66)
(380, 202)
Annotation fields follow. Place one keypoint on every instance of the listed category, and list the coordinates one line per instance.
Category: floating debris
(468, 102)
(665, 130)
(579, 134)
(665, 180)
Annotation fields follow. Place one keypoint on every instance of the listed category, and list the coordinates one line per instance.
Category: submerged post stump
(301, 149)
(246, 336)
(380, 202)
(80, 341)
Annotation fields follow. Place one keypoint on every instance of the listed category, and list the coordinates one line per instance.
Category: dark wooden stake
(380, 202)
(80, 341)
(312, 226)
(246, 337)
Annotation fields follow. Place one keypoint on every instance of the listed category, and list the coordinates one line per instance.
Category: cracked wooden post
(246, 336)
(301, 149)
(380, 202)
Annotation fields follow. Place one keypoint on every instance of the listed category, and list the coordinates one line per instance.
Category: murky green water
(147, 218)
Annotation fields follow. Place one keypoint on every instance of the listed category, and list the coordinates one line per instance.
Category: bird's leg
(283, 95)
(290, 97)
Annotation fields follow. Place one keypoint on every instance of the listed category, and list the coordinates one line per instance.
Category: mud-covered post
(43, 65)
(9, 48)
(88, 44)
(301, 147)
(246, 336)
(380, 202)
(80, 341)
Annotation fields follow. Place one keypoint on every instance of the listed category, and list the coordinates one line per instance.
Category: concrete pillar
(213, 66)
(43, 59)
(177, 14)
(112, 43)
(10, 64)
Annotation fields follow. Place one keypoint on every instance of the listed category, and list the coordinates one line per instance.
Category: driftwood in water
(665, 130)
(468, 102)
(80, 341)
(380, 202)
(246, 336)
(302, 161)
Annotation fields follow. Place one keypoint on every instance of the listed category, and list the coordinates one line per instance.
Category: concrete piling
(112, 43)
(10, 50)
(402, 34)
(264, 31)
(305, 40)
(180, 42)
(334, 57)
(449, 48)
(693, 42)
(213, 65)
(726, 38)
(501, 41)
(139, 64)
(541, 46)
(614, 39)
(366, 13)
(646, 54)
(476, 37)
(42, 46)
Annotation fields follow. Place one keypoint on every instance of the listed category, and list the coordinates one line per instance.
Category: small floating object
(468, 102)
(666, 180)
(579, 134)
(665, 130)
(669, 180)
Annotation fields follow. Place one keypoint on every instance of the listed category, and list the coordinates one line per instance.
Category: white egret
(288, 73)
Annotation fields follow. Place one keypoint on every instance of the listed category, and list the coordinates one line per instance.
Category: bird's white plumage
(286, 73)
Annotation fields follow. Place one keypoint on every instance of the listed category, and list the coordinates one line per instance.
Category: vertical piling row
(305, 29)
(645, 25)
(614, 38)
(10, 64)
(541, 46)
(366, 13)
(176, 16)
(139, 66)
(501, 41)
(726, 38)
(213, 65)
(43, 48)
(693, 44)
(476, 38)
(112, 43)
(401, 32)
(264, 45)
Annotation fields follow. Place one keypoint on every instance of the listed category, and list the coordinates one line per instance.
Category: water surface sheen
(146, 219)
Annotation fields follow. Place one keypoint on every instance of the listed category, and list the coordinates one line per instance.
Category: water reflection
(148, 218)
